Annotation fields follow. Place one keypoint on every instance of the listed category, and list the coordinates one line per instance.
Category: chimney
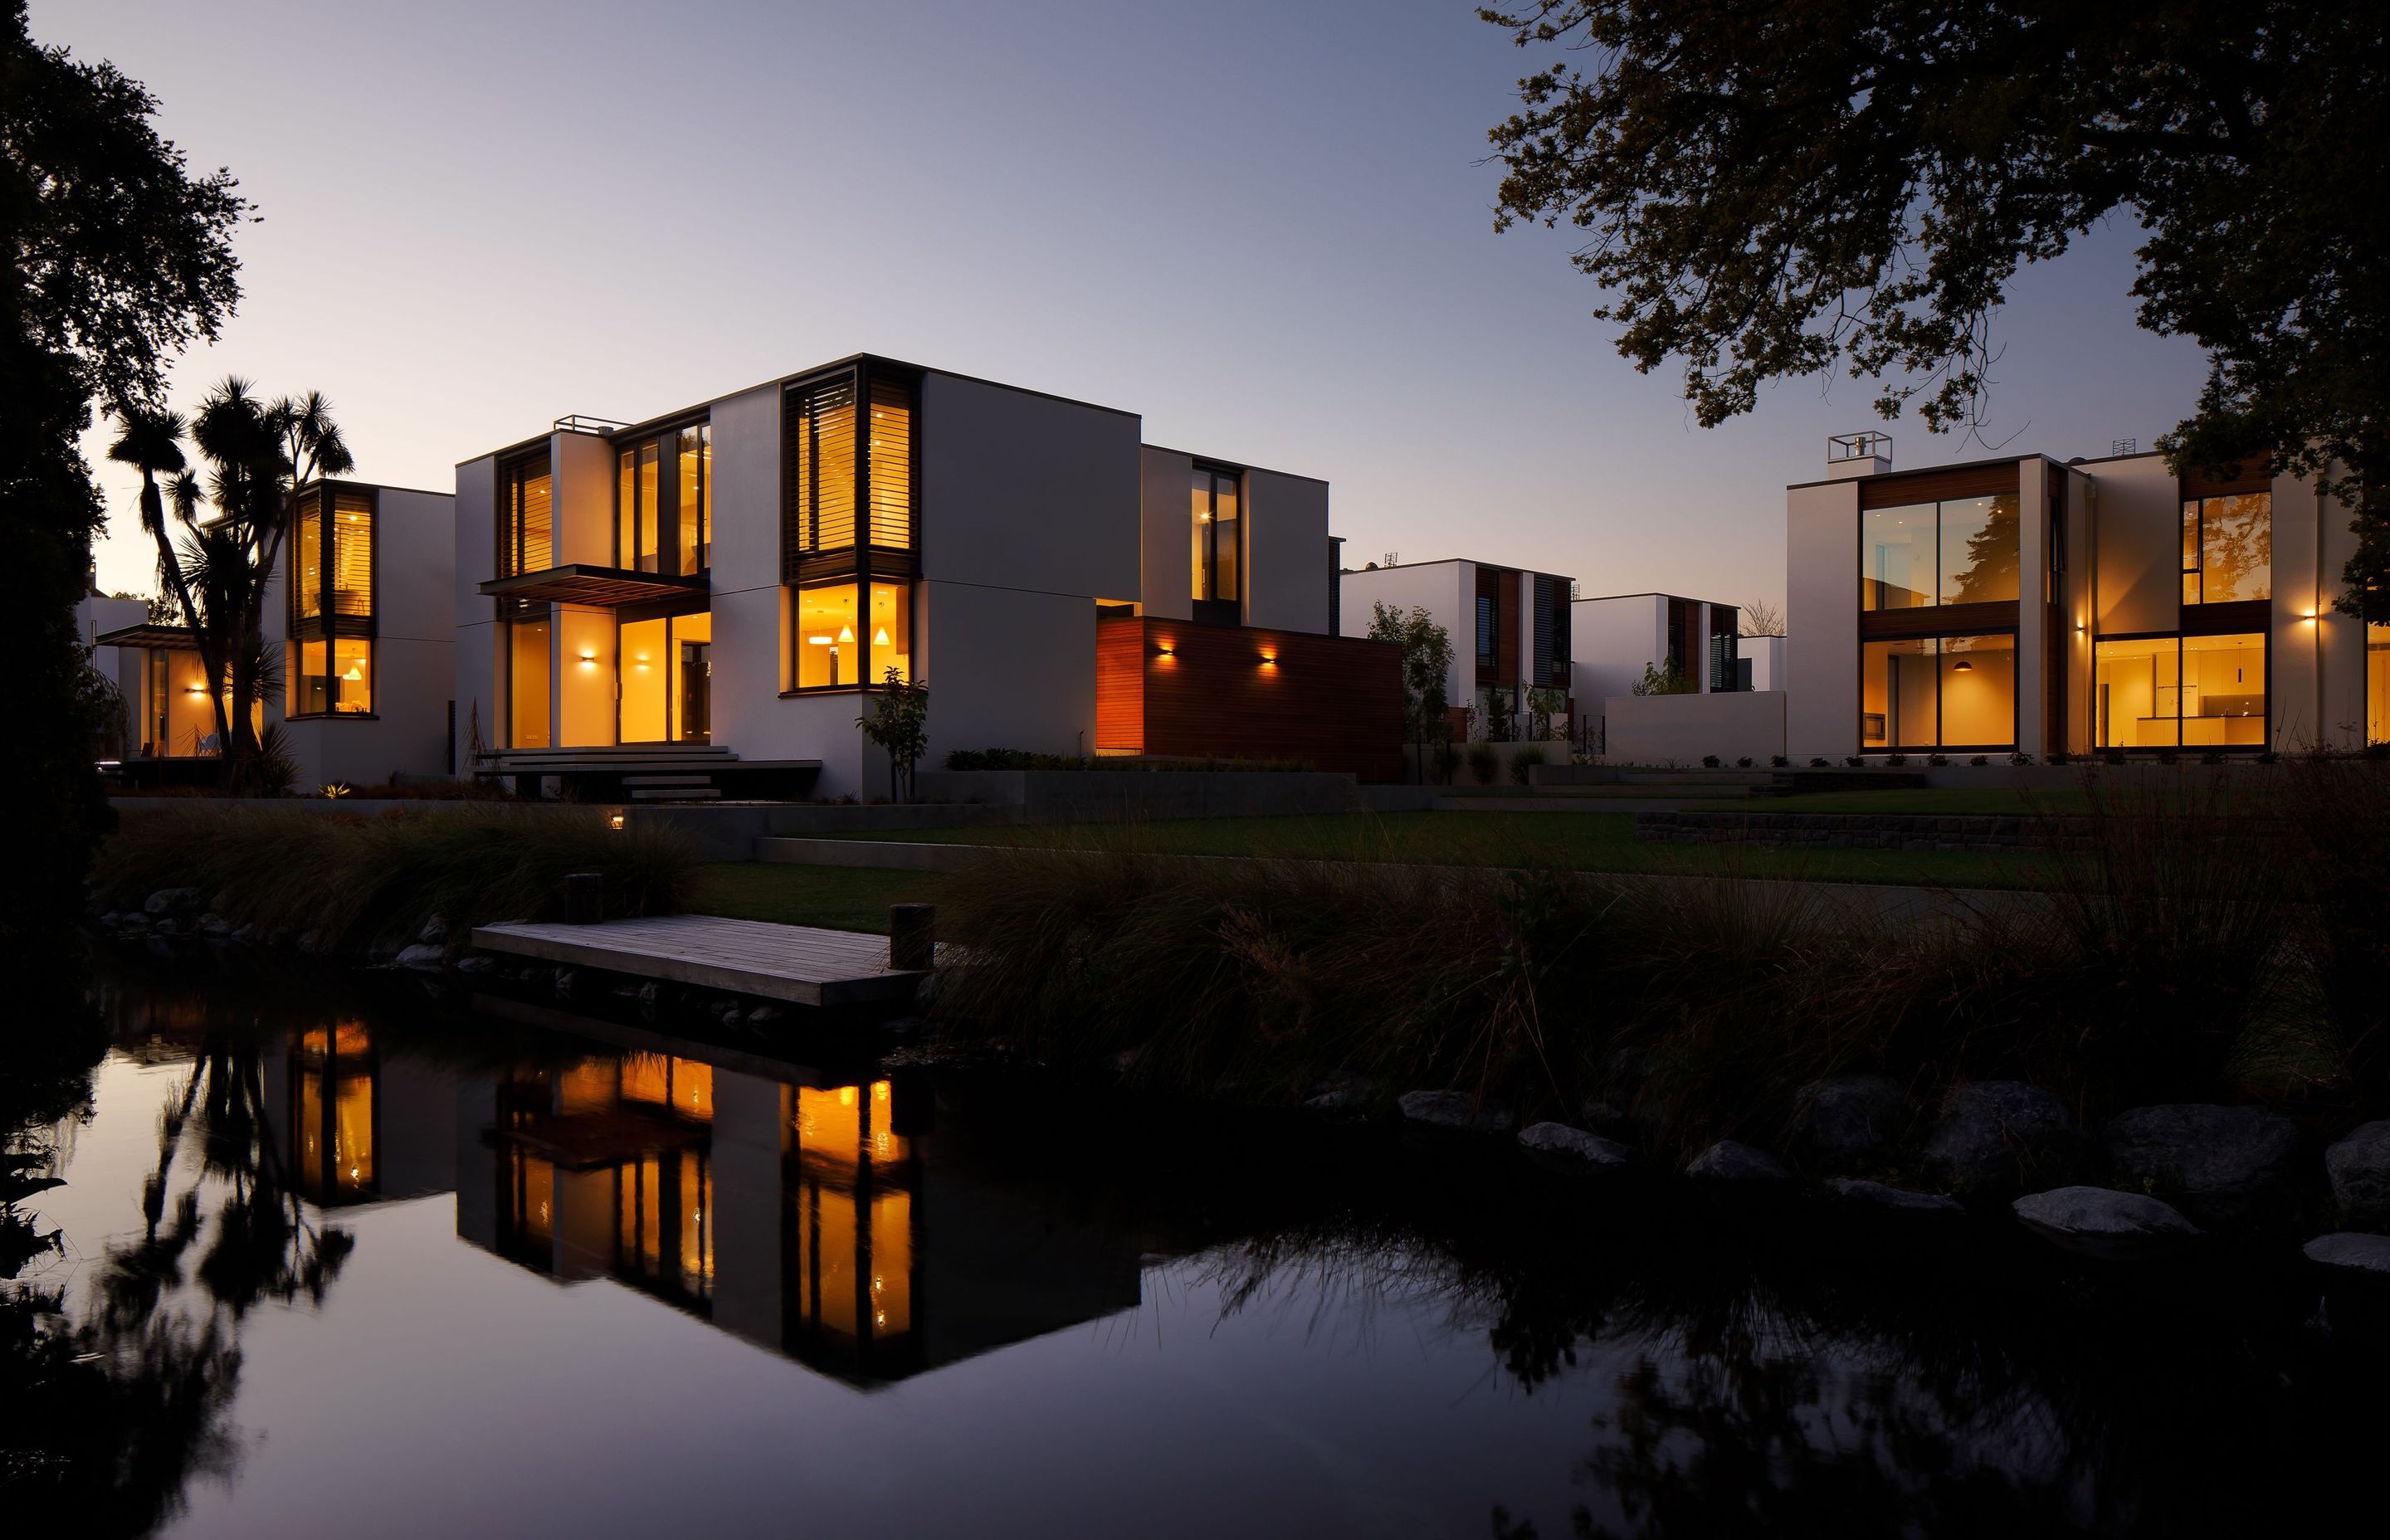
(1853, 454)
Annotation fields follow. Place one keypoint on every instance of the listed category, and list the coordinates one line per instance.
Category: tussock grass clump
(362, 881)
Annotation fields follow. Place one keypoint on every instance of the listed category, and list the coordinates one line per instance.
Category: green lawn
(1590, 842)
(1995, 800)
(837, 898)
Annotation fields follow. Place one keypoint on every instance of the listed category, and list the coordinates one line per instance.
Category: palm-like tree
(258, 453)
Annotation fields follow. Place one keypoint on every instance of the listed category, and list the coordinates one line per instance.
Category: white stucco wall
(1009, 668)
(1023, 490)
(2318, 654)
(2139, 546)
(1166, 561)
(474, 656)
(1822, 606)
(1681, 729)
(582, 467)
(1286, 551)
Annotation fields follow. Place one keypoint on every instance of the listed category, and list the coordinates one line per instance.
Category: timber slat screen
(1177, 689)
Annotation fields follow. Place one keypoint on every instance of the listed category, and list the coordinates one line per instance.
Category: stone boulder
(176, 901)
(1557, 1144)
(1342, 1091)
(2351, 1251)
(1456, 1110)
(1732, 1161)
(1849, 1122)
(2002, 1136)
(2219, 1166)
(1895, 1198)
(422, 957)
(2359, 1168)
(434, 931)
(2104, 1223)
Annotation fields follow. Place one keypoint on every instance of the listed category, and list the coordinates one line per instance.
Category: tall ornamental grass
(362, 883)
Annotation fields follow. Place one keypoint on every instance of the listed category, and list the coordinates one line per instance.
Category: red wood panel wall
(1335, 702)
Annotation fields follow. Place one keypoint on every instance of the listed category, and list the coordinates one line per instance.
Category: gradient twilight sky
(1266, 228)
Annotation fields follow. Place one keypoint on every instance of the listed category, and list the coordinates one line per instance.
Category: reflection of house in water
(809, 1219)
(355, 1125)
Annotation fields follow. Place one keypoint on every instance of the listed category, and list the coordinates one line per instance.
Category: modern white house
(2024, 605)
(1511, 628)
(1619, 636)
(700, 604)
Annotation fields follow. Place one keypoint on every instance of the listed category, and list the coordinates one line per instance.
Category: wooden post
(912, 937)
(584, 898)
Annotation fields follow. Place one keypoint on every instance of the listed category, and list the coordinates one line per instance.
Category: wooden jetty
(798, 963)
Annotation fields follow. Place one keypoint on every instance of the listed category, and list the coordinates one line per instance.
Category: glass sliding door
(529, 685)
(2377, 683)
(692, 685)
(643, 653)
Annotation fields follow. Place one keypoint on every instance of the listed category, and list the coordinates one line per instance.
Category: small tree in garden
(898, 722)
(1427, 661)
(1543, 704)
(1669, 680)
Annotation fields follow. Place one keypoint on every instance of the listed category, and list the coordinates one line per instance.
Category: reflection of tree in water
(1797, 1380)
(105, 1420)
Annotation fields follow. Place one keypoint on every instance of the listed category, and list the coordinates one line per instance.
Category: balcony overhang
(598, 587)
(161, 637)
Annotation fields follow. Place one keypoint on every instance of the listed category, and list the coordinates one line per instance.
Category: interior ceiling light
(879, 637)
(1962, 666)
(354, 672)
(846, 633)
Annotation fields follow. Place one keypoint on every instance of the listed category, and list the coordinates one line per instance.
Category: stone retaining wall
(1967, 831)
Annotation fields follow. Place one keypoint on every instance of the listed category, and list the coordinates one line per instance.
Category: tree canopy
(1773, 188)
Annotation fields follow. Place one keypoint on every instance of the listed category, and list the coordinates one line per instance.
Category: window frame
(861, 561)
(664, 440)
(2178, 635)
(328, 625)
(1208, 567)
(868, 669)
(2016, 693)
(2195, 560)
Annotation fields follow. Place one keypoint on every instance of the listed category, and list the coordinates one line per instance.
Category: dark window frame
(1232, 604)
(328, 625)
(860, 560)
(2016, 697)
(2264, 636)
(665, 442)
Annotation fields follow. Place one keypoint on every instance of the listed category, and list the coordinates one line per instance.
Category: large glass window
(1963, 551)
(330, 677)
(2227, 548)
(636, 533)
(641, 654)
(2163, 692)
(1945, 692)
(691, 639)
(527, 685)
(1214, 527)
(829, 649)
(820, 437)
(696, 451)
(310, 692)
(2377, 683)
(1486, 610)
(891, 631)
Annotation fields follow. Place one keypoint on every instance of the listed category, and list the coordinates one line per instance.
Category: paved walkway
(799, 963)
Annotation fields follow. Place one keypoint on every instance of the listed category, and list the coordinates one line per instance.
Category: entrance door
(695, 685)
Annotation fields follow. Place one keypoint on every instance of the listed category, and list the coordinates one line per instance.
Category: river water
(333, 1257)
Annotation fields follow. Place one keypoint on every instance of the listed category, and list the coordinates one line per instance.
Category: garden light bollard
(584, 898)
(912, 937)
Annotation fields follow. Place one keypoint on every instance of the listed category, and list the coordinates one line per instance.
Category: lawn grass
(1585, 841)
(836, 898)
(2002, 800)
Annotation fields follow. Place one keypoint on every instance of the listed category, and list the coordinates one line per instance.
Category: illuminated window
(526, 518)
(350, 553)
(890, 457)
(2227, 548)
(819, 431)
(1214, 525)
(528, 685)
(1938, 692)
(2377, 683)
(307, 558)
(696, 454)
(2165, 692)
(1963, 551)
(327, 668)
(332, 677)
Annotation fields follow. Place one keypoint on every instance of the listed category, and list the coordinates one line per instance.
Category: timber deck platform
(798, 963)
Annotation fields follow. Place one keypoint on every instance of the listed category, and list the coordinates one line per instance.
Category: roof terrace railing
(1857, 446)
(582, 422)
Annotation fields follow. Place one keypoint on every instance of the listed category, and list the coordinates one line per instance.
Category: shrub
(1744, 764)
(362, 881)
(1895, 760)
(1980, 759)
(1937, 759)
(2021, 758)
(1709, 761)
(1853, 760)
(1780, 761)
(1819, 762)
(1447, 755)
(1523, 760)
(1485, 762)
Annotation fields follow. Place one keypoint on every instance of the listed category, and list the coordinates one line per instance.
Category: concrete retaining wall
(1681, 729)
(1096, 796)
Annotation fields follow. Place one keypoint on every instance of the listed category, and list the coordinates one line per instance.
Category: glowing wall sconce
(614, 821)
(1270, 660)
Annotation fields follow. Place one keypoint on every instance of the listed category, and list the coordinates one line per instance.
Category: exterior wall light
(589, 660)
(613, 820)
(1270, 660)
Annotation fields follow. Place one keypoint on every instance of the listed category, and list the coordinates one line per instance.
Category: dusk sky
(1267, 230)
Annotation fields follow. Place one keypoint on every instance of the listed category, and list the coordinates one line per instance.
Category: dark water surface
(334, 1259)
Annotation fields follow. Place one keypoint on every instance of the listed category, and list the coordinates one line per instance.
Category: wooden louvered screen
(890, 456)
(1561, 605)
(819, 515)
(351, 566)
(1544, 636)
